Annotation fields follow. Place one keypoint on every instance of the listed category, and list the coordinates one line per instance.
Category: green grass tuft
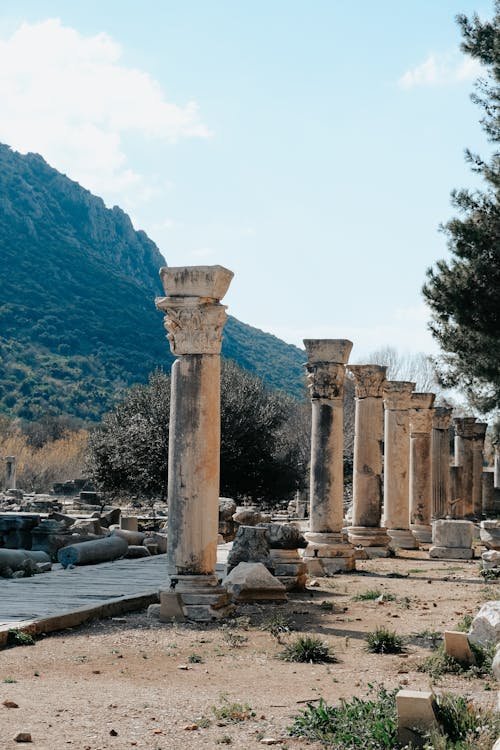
(384, 641)
(308, 649)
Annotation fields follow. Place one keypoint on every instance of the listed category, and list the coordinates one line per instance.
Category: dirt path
(124, 683)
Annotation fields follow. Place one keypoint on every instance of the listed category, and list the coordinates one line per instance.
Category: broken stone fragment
(456, 645)
(485, 628)
(252, 582)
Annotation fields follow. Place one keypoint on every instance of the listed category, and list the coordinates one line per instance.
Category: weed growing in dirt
(384, 641)
(233, 640)
(307, 648)
(464, 726)
(432, 636)
(367, 596)
(464, 624)
(16, 637)
(231, 712)
(278, 625)
(326, 606)
(195, 659)
(224, 740)
(440, 663)
(490, 574)
(9, 680)
(367, 724)
(416, 570)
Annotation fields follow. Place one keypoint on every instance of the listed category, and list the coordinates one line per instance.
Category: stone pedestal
(327, 551)
(366, 530)
(289, 568)
(195, 319)
(10, 472)
(421, 416)
(477, 468)
(452, 540)
(440, 462)
(464, 436)
(397, 397)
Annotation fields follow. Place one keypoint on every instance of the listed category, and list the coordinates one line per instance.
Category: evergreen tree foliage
(262, 436)
(463, 293)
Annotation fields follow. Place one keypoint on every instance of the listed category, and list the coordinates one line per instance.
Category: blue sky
(311, 147)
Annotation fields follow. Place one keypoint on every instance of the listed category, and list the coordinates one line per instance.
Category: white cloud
(441, 69)
(71, 98)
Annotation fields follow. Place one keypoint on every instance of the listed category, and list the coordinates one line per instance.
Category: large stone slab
(485, 628)
(252, 582)
(416, 716)
(449, 533)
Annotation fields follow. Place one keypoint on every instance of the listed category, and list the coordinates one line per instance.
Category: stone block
(416, 716)
(451, 553)
(456, 645)
(485, 628)
(495, 667)
(448, 533)
(491, 559)
(129, 523)
(489, 533)
(250, 582)
(171, 607)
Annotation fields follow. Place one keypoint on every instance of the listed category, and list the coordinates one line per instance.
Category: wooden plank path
(65, 598)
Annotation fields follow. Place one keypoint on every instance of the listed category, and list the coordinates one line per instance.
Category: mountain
(77, 316)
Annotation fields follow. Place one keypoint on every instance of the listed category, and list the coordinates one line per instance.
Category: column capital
(442, 417)
(397, 394)
(464, 426)
(328, 350)
(368, 380)
(479, 434)
(325, 380)
(421, 421)
(194, 316)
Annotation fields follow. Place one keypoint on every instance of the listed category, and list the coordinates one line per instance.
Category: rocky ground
(132, 682)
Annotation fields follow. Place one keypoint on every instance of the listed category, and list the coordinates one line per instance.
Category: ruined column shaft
(440, 442)
(397, 463)
(421, 416)
(193, 465)
(477, 468)
(10, 473)
(327, 469)
(496, 470)
(464, 434)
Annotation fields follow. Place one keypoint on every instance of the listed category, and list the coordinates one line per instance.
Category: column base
(451, 553)
(368, 536)
(289, 568)
(190, 597)
(422, 532)
(402, 539)
(328, 553)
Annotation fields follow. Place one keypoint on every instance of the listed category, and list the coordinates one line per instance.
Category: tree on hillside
(262, 435)
(464, 292)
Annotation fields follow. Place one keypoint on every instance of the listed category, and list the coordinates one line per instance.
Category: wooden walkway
(65, 598)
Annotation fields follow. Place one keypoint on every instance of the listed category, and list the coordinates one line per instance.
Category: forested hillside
(77, 315)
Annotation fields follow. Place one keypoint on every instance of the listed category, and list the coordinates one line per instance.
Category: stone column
(397, 397)
(489, 509)
(456, 504)
(195, 319)
(368, 462)
(10, 472)
(421, 416)
(496, 472)
(440, 462)
(477, 468)
(464, 435)
(327, 551)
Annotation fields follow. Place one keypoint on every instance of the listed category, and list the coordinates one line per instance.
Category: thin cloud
(441, 70)
(71, 98)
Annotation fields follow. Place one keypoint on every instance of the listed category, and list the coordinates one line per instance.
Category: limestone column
(195, 320)
(327, 551)
(464, 435)
(10, 473)
(489, 509)
(496, 472)
(477, 468)
(397, 397)
(421, 416)
(440, 462)
(368, 461)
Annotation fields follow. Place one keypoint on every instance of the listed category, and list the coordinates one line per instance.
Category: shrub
(16, 637)
(306, 648)
(365, 724)
(464, 726)
(383, 641)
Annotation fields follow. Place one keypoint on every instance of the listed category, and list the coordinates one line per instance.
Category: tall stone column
(421, 416)
(10, 473)
(195, 319)
(496, 469)
(397, 398)
(368, 461)
(327, 551)
(477, 468)
(440, 472)
(488, 494)
(464, 435)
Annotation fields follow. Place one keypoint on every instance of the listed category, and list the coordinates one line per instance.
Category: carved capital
(421, 421)
(397, 394)
(328, 350)
(479, 435)
(194, 326)
(368, 380)
(464, 426)
(325, 380)
(442, 418)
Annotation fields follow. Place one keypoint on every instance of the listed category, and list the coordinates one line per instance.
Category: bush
(306, 648)
(383, 641)
(364, 724)
(464, 725)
